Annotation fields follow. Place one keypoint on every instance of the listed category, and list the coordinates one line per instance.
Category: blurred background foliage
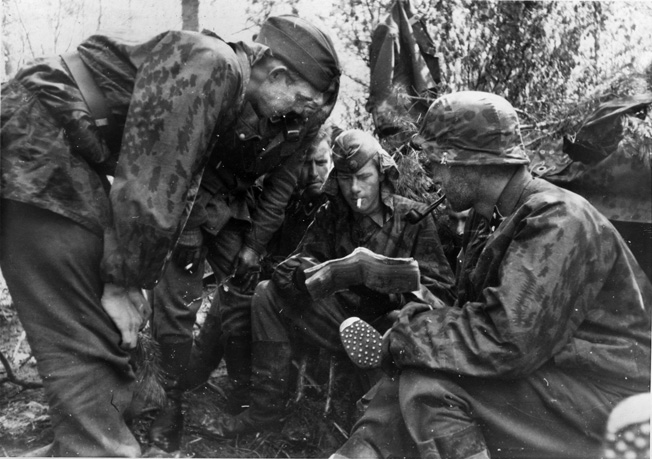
(553, 60)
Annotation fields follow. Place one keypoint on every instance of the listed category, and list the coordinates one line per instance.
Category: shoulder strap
(91, 93)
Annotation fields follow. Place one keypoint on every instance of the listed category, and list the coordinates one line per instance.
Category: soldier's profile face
(457, 183)
(361, 189)
(315, 169)
(279, 95)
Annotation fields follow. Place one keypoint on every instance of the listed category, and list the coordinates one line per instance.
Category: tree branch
(13, 379)
(22, 24)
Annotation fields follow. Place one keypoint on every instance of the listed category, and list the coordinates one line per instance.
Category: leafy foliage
(546, 57)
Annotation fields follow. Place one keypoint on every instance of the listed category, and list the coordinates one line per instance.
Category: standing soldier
(76, 251)
(233, 220)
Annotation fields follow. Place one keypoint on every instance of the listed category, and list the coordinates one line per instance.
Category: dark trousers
(280, 317)
(548, 414)
(51, 266)
(177, 297)
(175, 302)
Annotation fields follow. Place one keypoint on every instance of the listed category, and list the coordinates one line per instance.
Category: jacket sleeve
(542, 278)
(436, 274)
(183, 88)
(316, 247)
(278, 186)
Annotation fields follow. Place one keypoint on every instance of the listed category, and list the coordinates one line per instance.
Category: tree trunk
(190, 14)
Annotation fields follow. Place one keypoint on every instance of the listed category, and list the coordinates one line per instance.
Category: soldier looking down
(362, 211)
(232, 221)
(551, 327)
(76, 251)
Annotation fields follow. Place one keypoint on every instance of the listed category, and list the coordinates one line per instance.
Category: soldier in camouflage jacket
(282, 307)
(77, 249)
(551, 328)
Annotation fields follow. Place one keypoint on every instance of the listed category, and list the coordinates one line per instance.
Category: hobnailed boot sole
(362, 343)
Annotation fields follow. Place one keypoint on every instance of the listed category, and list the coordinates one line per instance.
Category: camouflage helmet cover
(471, 128)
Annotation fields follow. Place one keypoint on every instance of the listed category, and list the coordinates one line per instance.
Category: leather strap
(91, 93)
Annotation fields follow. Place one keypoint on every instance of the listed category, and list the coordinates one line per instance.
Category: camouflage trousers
(429, 414)
(51, 266)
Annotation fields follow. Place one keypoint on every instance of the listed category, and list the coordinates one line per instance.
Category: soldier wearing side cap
(232, 221)
(551, 327)
(159, 117)
(362, 211)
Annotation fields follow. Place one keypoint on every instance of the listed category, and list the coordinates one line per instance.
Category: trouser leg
(270, 372)
(380, 432)
(51, 266)
(175, 302)
(549, 414)
(166, 430)
(279, 318)
(211, 342)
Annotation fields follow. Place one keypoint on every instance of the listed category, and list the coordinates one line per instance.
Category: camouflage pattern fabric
(176, 94)
(337, 231)
(553, 282)
(456, 135)
(609, 160)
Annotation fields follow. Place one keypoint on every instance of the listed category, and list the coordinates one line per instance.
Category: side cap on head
(471, 128)
(304, 48)
(352, 149)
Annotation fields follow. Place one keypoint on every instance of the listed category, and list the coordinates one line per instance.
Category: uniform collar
(248, 124)
(387, 200)
(511, 194)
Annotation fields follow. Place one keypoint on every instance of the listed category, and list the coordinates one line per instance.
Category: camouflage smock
(553, 282)
(174, 94)
(337, 231)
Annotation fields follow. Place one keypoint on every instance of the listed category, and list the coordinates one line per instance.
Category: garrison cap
(354, 148)
(304, 48)
(471, 128)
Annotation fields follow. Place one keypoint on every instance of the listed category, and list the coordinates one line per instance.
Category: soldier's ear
(277, 72)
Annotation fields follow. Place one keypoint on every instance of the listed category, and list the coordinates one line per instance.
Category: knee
(263, 304)
(356, 447)
(430, 387)
(262, 297)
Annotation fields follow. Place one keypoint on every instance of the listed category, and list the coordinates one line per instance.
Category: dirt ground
(309, 431)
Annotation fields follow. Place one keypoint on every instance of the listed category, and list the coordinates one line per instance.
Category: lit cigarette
(188, 266)
(358, 203)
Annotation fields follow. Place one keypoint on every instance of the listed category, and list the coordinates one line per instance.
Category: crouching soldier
(362, 211)
(551, 328)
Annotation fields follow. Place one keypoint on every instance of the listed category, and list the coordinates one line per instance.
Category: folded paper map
(363, 267)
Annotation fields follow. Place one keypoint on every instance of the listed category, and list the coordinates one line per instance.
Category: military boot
(269, 393)
(166, 430)
(237, 356)
(206, 353)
